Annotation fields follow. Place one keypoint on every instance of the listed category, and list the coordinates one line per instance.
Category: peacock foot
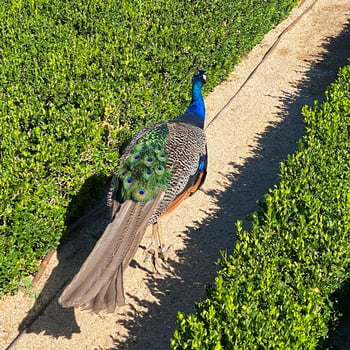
(159, 256)
(158, 252)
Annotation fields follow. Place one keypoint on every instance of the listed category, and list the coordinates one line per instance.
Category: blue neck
(195, 112)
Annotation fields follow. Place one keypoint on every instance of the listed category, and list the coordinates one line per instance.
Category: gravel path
(252, 132)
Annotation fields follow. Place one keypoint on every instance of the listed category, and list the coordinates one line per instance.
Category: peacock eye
(148, 171)
(149, 159)
(137, 156)
(129, 180)
(142, 192)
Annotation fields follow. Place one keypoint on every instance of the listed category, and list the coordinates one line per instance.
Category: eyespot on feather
(147, 174)
(122, 172)
(159, 169)
(148, 161)
(133, 159)
(141, 195)
(128, 181)
(158, 149)
(162, 157)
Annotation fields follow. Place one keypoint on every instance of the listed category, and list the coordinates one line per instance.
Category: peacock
(164, 164)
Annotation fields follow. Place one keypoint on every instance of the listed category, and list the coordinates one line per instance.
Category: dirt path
(250, 135)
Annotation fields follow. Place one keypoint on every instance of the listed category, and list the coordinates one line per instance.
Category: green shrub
(78, 77)
(274, 291)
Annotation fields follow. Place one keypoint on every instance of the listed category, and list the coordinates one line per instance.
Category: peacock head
(200, 75)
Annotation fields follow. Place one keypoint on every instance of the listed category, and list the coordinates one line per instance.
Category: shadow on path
(72, 252)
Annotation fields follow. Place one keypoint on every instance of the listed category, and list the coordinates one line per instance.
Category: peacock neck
(195, 113)
(197, 90)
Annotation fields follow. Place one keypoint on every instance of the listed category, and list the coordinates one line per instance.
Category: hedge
(77, 79)
(275, 290)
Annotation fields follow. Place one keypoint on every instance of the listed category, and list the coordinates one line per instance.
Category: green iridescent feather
(145, 170)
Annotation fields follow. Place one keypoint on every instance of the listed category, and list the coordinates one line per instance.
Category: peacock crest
(145, 170)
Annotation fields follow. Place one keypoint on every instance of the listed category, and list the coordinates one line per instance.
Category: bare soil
(253, 131)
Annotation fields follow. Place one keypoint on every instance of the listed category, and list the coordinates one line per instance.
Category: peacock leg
(158, 254)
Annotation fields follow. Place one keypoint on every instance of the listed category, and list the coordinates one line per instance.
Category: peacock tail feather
(146, 169)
